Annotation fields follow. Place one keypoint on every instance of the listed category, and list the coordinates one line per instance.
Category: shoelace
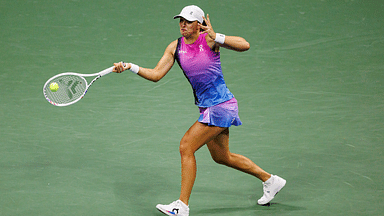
(176, 203)
(265, 186)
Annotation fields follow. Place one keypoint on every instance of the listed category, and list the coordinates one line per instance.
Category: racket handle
(106, 71)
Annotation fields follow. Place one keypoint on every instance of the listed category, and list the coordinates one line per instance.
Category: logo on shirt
(184, 52)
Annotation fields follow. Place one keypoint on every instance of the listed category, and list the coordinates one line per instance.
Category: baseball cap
(191, 13)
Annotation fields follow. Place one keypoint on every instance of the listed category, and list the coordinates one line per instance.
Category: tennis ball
(54, 87)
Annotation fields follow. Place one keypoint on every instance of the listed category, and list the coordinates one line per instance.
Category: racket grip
(106, 71)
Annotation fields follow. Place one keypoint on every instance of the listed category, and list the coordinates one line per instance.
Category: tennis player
(197, 53)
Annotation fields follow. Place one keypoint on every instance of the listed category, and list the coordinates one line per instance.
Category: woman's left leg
(219, 149)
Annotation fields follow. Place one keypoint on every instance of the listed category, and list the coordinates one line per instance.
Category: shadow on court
(272, 207)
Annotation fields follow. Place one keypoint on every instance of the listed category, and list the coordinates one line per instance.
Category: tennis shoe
(271, 187)
(177, 208)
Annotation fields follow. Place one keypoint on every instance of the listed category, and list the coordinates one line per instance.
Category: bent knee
(185, 148)
(223, 160)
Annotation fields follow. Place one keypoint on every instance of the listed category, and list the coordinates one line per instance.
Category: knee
(222, 159)
(185, 148)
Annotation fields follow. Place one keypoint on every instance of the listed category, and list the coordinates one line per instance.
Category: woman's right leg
(198, 135)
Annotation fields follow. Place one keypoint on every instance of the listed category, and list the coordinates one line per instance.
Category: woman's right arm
(163, 66)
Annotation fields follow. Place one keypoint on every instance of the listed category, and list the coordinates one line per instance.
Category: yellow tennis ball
(54, 87)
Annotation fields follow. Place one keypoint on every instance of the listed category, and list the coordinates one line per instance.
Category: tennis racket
(68, 88)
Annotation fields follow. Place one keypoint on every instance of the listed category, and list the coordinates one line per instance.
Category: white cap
(191, 13)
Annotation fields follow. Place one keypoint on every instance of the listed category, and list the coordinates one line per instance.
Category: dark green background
(310, 92)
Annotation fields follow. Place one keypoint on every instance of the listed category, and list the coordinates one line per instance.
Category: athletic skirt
(225, 114)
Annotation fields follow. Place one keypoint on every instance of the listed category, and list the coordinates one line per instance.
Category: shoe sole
(163, 212)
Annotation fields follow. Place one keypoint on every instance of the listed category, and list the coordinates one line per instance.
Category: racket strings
(71, 88)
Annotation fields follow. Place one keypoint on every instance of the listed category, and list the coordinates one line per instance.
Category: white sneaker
(175, 208)
(271, 187)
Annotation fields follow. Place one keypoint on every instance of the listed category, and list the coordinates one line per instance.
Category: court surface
(310, 92)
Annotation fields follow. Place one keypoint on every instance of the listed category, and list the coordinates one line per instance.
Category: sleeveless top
(202, 68)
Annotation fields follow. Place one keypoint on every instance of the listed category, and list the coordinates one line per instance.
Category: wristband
(134, 68)
(220, 38)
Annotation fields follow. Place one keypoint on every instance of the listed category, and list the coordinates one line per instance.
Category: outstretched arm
(231, 42)
(163, 66)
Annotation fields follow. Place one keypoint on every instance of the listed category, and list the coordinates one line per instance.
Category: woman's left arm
(230, 42)
(235, 43)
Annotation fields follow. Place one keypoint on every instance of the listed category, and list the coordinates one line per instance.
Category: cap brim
(191, 19)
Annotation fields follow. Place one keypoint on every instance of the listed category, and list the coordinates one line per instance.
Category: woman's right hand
(120, 67)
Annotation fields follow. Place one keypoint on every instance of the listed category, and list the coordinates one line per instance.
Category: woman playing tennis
(197, 53)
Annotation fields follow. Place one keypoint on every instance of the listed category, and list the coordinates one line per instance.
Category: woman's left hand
(208, 29)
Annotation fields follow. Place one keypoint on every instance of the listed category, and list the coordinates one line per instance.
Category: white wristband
(134, 68)
(220, 38)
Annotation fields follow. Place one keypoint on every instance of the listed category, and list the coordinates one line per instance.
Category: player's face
(187, 28)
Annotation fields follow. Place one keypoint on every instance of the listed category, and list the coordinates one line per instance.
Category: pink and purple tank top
(202, 68)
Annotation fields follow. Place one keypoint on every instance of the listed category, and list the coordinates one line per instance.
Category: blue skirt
(225, 114)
